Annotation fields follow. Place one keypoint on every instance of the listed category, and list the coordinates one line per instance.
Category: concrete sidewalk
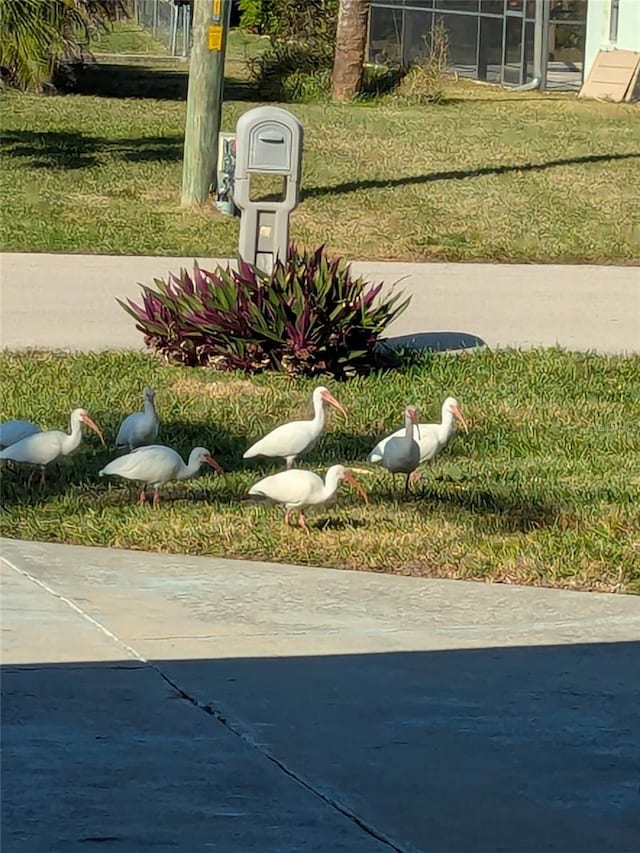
(68, 301)
(185, 704)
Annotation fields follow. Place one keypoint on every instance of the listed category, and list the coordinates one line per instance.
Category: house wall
(629, 25)
(597, 36)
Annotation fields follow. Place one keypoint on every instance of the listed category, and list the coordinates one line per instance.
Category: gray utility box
(268, 142)
(225, 173)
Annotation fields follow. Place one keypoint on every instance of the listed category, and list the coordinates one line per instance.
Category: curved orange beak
(349, 478)
(92, 425)
(212, 463)
(329, 398)
(457, 414)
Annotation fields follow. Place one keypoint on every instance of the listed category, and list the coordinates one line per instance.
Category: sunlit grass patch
(490, 174)
(545, 488)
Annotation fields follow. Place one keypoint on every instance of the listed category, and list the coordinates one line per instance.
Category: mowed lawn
(490, 174)
(545, 488)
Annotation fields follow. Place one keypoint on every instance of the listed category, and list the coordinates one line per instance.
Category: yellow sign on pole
(215, 38)
(217, 8)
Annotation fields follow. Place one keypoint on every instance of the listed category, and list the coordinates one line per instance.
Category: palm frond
(39, 36)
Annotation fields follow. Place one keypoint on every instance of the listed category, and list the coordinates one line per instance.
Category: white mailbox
(268, 142)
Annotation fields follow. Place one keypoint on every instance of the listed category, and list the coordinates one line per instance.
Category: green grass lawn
(127, 38)
(544, 490)
(490, 174)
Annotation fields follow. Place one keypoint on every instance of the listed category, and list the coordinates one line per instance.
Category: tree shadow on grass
(502, 512)
(343, 448)
(200, 491)
(460, 174)
(61, 150)
(61, 476)
(185, 435)
(109, 492)
(78, 473)
(335, 522)
(134, 80)
(505, 513)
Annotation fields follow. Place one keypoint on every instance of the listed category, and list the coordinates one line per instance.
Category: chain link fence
(167, 20)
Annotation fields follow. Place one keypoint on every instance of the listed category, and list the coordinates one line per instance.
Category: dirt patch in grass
(189, 387)
(90, 199)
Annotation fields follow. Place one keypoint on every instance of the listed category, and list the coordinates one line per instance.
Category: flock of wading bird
(154, 465)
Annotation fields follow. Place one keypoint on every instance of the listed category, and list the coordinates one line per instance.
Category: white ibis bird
(140, 427)
(401, 454)
(42, 448)
(12, 431)
(297, 489)
(290, 440)
(155, 465)
(432, 438)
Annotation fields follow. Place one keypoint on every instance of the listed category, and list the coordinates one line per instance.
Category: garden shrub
(298, 63)
(423, 81)
(253, 15)
(309, 316)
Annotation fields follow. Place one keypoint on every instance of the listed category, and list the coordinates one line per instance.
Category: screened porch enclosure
(501, 41)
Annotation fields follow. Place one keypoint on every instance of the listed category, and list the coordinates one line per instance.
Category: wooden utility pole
(351, 42)
(210, 23)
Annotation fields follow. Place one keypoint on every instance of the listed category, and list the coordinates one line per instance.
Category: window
(492, 7)
(462, 32)
(458, 5)
(385, 36)
(512, 71)
(492, 40)
(613, 21)
(417, 25)
(490, 50)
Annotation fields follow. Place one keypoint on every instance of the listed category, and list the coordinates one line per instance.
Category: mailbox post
(268, 142)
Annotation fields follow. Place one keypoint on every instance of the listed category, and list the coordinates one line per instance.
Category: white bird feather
(291, 439)
(401, 454)
(42, 448)
(432, 438)
(296, 489)
(155, 465)
(13, 431)
(140, 428)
